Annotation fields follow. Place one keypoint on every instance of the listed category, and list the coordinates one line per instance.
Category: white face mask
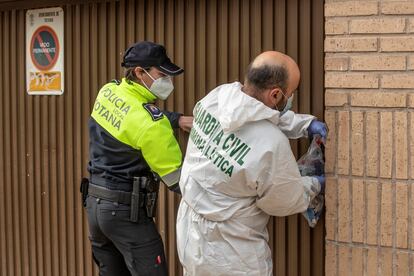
(288, 105)
(161, 87)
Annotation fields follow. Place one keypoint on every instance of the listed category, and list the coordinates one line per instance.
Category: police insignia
(155, 112)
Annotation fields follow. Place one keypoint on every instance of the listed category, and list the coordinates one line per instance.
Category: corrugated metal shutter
(44, 141)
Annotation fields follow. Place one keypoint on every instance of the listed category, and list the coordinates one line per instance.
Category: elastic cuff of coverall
(306, 126)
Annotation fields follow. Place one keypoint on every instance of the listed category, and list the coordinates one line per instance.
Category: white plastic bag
(310, 164)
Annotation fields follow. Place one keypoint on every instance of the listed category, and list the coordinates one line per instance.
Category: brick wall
(369, 98)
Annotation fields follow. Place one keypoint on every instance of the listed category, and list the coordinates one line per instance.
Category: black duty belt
(111, 195)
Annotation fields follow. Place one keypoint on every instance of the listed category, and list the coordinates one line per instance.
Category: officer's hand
(317, 127)
(186, 123)
(321, 180)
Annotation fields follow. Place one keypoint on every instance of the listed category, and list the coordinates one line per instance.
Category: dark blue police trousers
(121, 247)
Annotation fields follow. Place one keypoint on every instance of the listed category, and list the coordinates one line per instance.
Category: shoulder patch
(155, 112)
(117, 82)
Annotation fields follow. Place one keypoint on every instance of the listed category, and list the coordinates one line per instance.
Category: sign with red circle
(44, 48)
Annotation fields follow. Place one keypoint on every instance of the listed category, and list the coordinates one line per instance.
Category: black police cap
(148, 54)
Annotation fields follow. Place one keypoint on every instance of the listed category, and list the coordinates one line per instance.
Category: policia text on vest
(116, 115)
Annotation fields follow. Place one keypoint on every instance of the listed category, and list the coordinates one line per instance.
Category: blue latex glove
(317, 127)
(321, 179)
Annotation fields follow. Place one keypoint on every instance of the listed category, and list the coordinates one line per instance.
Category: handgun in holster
(84, 190)
(137, 185)
(151, 197)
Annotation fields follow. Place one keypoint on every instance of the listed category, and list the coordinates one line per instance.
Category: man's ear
(276, 94)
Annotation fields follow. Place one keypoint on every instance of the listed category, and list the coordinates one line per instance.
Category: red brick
(401, 215)
(412, 219)
(335, 98)
(403, 80)
(351, 8)
(411, 149)
(372, 211)
(344, 220)
(343, 142)
(386, 214)
(357, 137)
(403, 263)
(372, 143)
(336, 26)
(412, 263)
(331, 258)
(377, 63)
(386, 261)
(377, 25)
(336, 63)
(397, 8)
(357, 261)
(410, 63)
(397, 44)
(378, 99)
(410, 26)
(351, 44)
(372, 262)
(401, 145)
(386, 145)
(330, 149)
(358, 208)
(331, 201)
(344, 268)
(350, 80)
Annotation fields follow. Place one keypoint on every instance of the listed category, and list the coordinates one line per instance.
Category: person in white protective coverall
(239, 169)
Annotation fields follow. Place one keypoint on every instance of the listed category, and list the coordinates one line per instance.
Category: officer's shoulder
(115, 81)
(153, 111)
(109, 85)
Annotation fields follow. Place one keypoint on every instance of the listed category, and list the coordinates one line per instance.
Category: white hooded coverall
(238, 169)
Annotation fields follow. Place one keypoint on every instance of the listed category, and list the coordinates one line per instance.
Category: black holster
(151, 197)
(84, 190)
(146, 189)
(137, 188)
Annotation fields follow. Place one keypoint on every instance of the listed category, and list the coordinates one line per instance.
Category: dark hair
(267, 76)
(130, 74)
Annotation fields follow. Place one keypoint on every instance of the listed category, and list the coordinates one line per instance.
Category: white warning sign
(44, 51)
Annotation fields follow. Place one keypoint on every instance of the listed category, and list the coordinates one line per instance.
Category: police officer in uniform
(132, 148)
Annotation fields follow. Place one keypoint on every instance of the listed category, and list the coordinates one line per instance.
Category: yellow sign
(45, 81)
